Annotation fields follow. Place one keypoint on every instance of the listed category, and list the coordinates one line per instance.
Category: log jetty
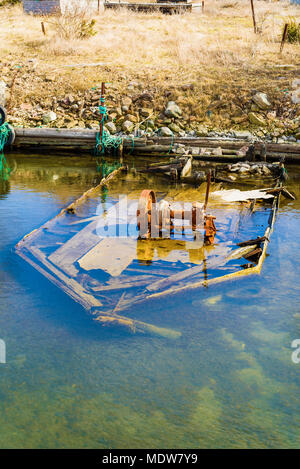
(83, 141)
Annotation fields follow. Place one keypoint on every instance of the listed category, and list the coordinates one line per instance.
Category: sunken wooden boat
(93, 250)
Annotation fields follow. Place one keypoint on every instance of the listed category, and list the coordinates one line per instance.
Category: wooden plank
(69, 285)
(91, 192)
(82, 243)
(112, 255)
(254, 253)
(125, 282)
(216, 261)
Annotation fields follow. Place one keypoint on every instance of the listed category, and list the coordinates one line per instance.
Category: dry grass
(217, 51)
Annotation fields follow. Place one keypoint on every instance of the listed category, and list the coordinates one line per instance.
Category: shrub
(9, 2)
(74, 23)
(293, 31)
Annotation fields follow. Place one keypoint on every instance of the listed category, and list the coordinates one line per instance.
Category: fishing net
(4, 138)
(104, 140)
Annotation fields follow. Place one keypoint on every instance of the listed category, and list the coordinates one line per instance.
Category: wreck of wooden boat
(96, 251)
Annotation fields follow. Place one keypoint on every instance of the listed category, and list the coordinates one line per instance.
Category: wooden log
(255, 253)
(67, 139)
(135, 326)
(250, 242)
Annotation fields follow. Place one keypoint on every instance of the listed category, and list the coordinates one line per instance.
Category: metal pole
(283, 37)
(253, 17)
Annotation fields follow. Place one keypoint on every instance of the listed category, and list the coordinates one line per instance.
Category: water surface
(229, 380)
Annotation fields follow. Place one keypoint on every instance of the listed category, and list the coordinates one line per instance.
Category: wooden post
(202, 6)
(253, 17)
(98, 6)
(43, 28)
(207, 191)
(283, 37)
(102, 115)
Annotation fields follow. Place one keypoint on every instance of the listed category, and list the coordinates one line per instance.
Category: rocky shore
(139, 110)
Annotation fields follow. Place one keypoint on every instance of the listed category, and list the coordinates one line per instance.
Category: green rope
(4, 137)
(172, 142)
(105, 141)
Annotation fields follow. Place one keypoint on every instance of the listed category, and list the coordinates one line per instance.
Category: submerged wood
(211, 263)
(73, 205)
(250, 242)
(136, 326)
(250, 270)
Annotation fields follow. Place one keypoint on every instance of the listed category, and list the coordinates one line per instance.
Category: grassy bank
(211, 64)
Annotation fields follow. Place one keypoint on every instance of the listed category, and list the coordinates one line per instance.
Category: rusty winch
(156, 220)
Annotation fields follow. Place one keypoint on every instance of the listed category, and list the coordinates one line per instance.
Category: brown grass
(217, 51)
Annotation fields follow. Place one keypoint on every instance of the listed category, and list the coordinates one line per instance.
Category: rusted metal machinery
(156, 220)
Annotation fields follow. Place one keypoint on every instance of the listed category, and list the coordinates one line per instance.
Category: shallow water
(228, 381)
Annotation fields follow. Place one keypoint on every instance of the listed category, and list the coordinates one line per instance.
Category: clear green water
(227, 382)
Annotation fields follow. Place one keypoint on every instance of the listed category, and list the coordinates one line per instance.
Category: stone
(242, 170)
(255, 108)
(3, 87)
(146, 112)
(117, 111)
(188, 86)
(262, 101)
(49, 117)
(110, 126)
(265, 170)
(256, 119)
(272, 116)
(202, 131)
(131, 118)
(150, 123)
(71, 124)
(165, 132)
(127, 126)
(126, 101)
(243, 134)
(174, 127)
(172, 110)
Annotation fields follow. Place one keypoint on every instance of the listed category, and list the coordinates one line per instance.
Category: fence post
(283, 37)
(253, 17)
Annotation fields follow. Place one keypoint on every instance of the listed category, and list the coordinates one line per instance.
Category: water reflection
(227, 382)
